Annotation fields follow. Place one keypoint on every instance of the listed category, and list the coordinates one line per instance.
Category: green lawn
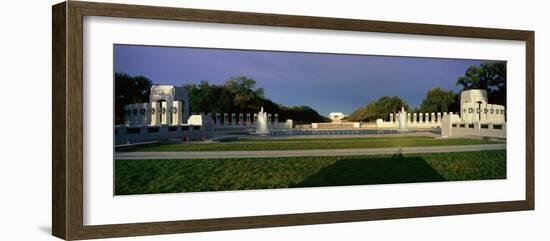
(198, 175)
(255, 144)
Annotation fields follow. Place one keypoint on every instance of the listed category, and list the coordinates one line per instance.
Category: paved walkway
(298, 153)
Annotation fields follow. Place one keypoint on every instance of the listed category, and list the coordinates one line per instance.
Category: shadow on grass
(384, 170)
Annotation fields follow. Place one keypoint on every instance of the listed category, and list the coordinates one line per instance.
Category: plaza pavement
(300, 153)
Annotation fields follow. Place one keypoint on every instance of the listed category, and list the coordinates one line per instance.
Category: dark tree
(490, 76)
(129, 90)
(240, 95)
(438, 100)
(380, 108)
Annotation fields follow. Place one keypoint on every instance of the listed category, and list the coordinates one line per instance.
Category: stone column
(427, 117)
(144, 113)
(133, 114)
(276, 119)
(218, 119)
(255, 117)
(432, 119)
(165, 112)
(127, 115)
(225, 119)
(391, 118)
(438, 117)
(241, 117)
(414, 118)
(421, 116)
(233, 119)
(177, 115)
(155, 114)
(446, 126)
(409, 117)
(268, 119)
(247, 119)
(484, 113)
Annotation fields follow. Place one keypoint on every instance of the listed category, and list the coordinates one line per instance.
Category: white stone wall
(453, 126)
(414, 120)
(140, 134)
(474, 112)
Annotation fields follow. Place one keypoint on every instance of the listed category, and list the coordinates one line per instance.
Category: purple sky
(325, 82)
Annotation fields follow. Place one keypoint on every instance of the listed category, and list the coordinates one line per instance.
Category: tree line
(490, 76)
(235, 95)
(240, 95)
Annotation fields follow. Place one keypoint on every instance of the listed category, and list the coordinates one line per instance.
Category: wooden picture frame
(67, 123)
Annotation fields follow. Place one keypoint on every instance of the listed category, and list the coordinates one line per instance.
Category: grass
(307, 144)
(199, 175)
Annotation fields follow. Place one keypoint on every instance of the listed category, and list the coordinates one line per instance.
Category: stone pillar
(426, 117)
(421, 116)
(145, 116)
(218, 119)
(446, 126)
(276, 119)
(177, 114)
(247, 119)
(139, 116)
(225, 119)
(414, 118)
(438, 117)
(211, 115)
(255, 117)
(485, 112)
(408, 117)
(166, 117)
(155, 114)
(127, 115)
(268, 119)
(133, 114)
(241, 117)
(391, 118)
(432, 119)
(233, 119)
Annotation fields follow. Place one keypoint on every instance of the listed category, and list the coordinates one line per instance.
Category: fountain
(261, 123)
(403, 120)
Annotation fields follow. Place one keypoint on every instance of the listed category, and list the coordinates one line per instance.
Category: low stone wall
(453, 126)
(140, 134)
(338, 125)
(411, 125)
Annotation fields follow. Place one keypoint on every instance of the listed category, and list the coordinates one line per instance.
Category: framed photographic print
(171, 120)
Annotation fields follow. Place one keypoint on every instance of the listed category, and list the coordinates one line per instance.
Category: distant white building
(336, 116)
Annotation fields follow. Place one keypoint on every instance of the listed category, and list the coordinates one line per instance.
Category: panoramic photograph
(192, 119)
